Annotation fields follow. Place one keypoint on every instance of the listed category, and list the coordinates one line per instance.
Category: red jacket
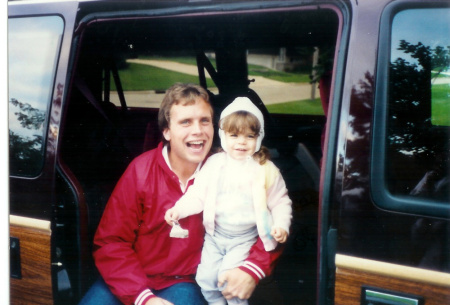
(132, 247)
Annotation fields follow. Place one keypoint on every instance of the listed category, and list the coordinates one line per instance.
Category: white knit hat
(242, 104)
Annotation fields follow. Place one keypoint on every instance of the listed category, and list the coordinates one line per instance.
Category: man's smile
(196, 144)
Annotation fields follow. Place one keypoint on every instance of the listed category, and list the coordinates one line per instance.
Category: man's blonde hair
(186, 94)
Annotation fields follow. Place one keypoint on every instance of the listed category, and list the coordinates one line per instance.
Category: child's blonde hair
(239, 122)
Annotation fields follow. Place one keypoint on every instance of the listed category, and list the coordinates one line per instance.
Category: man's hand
(157, 301)
(238, 284)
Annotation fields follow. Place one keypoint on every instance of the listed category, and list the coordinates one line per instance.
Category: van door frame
(327, 239)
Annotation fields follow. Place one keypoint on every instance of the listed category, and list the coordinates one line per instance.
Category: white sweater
(271, 202)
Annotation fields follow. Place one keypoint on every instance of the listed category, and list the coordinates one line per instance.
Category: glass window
(416, 122)
(146, 78)
(287, 78)
(281, 79)
(33, 46)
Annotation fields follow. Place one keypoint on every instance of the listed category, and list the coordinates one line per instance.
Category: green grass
(434, 74)
(278, 75)
(142, 77)
(309, 107)
(139, 77)
(253, 70)
(440, 106)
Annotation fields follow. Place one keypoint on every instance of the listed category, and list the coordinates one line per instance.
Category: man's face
(190, 134)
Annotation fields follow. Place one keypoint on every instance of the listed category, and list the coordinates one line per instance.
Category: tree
(25, 156)
(410, 130)
(414, 145)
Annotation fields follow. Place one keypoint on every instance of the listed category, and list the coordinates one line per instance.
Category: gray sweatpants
(220, 253)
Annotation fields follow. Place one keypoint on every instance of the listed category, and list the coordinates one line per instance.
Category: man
(137, 259)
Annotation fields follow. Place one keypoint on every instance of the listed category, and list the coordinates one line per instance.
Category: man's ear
(166, 134)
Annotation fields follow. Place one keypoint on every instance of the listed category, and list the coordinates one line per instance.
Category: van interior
(106, 125)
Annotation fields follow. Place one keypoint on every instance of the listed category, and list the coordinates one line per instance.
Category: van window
(286, 78)
(417, 126)
(33, 46)
(145, 78)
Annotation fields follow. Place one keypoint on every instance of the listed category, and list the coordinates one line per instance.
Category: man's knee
(182, 294)
(99, 293)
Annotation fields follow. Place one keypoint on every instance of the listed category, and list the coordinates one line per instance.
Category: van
(356, 99)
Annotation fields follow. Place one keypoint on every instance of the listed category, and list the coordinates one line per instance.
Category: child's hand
(171, 214)
(279, 234)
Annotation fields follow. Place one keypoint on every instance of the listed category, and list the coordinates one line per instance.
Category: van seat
(308, 162)
(152, 136)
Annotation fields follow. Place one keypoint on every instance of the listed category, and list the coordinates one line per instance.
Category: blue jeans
(178, 294)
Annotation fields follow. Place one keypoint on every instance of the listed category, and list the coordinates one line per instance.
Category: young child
(242, 196)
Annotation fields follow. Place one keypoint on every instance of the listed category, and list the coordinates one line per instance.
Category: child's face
(242, 145)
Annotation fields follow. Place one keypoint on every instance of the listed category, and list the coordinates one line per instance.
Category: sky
(431, 27)
(32, 47)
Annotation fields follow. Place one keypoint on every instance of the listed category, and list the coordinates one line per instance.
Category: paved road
(441, 81)
(270, 91)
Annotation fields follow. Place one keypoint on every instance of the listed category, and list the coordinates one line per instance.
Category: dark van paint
(369, 178)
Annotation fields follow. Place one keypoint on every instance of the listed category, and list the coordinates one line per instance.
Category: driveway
(270, 91)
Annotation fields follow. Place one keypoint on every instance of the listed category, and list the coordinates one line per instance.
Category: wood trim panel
(38, 224)
(352, 273)
(35, 286)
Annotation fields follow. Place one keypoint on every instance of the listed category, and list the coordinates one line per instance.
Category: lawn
(137, 77)
(309, 107)
(142, 77)
(278, 75)
(440, 106)
(253, 70)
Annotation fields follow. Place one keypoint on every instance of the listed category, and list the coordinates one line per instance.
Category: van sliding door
(392, 208)
(38, 49)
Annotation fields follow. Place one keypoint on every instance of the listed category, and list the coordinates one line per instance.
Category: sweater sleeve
(278, 201)
(114, 255)
(192, 202)
(260, 263)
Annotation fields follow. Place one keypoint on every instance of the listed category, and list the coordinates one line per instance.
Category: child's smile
(242, 145)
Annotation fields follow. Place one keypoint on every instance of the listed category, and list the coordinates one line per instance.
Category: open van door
(39, 40)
